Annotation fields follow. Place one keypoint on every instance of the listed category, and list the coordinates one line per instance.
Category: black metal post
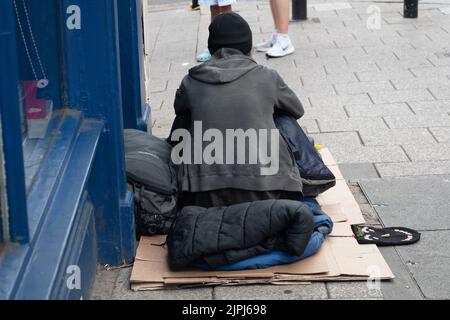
(410, 8)
(194, 4)
(299, 9)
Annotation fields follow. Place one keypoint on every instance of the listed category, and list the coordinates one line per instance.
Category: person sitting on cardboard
(225, 138)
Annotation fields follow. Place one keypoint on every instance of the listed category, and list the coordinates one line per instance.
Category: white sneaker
(266, 45)
(281, 49)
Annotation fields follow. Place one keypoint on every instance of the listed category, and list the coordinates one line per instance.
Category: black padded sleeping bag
(219, 236)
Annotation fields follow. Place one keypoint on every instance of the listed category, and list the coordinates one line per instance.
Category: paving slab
(428, 261)
(360, 66)
(353, 290)
(428, 152)
(442, 92)
(442, 134)
(334, 139)
(418, 121)
(337, 112)
(431, 72)
(421, 83)
(325, 101)
(415, 202)
(343, 78)
(308, 90)
(385, 75)
(384, 96)
(364, 154)
(352, 124)
(272, 292)
(358, 171)
(404, 286)
(419, 168)
(378, 110)
(404, 64)
(380, 137)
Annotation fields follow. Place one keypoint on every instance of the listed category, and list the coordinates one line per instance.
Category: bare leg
(273, 9)
(282, 15)
(279, 44)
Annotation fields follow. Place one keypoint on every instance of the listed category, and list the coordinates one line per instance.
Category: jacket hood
(226, 65)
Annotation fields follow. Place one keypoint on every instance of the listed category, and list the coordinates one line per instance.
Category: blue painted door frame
(135, 109)
(79, 210)
(92, 61)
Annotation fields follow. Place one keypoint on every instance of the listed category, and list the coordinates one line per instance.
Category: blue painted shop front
(71, 81)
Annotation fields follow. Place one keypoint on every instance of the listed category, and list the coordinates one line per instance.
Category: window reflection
(39, 56)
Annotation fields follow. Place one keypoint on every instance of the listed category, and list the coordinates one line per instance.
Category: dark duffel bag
(316, 176)
(151, 176)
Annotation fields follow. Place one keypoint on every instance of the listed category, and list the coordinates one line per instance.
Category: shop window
(40, 83)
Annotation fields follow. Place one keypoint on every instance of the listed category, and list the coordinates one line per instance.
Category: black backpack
(151, 176)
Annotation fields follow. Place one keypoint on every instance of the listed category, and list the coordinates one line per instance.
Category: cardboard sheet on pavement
(341, 258)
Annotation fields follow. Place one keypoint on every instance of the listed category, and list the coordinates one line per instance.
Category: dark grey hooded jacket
(233, 92)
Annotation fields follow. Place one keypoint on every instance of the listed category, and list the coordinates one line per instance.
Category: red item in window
(36, 108)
